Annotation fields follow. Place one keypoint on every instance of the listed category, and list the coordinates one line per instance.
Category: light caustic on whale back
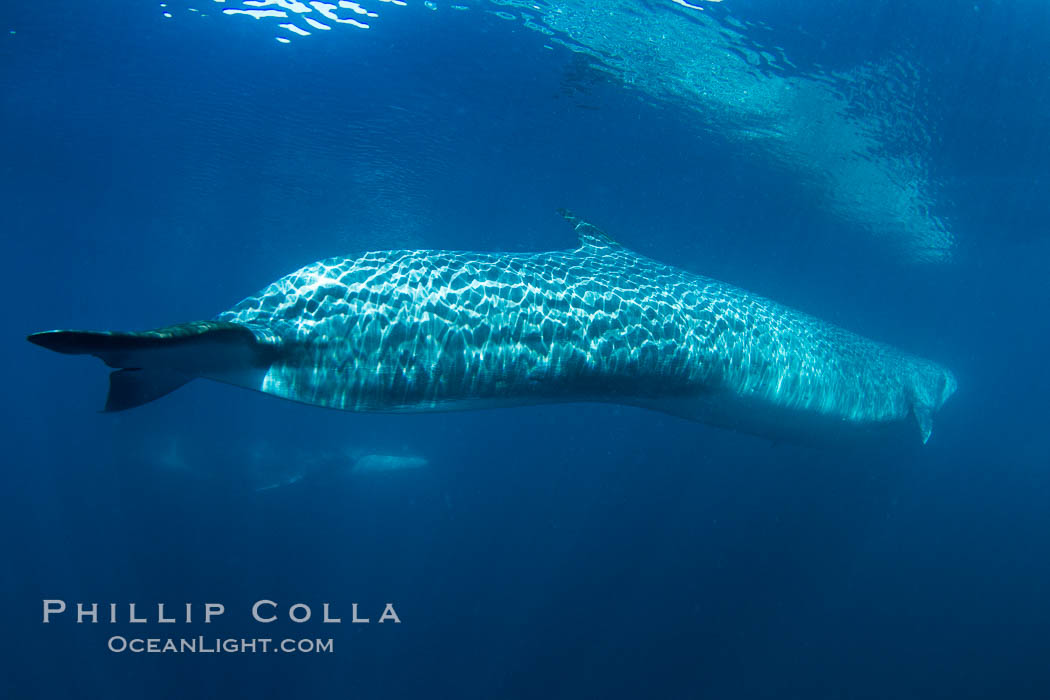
(423, 330)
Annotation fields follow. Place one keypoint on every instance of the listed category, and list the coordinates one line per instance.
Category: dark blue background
(156, 171)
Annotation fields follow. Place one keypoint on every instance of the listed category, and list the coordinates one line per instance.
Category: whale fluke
(154, 363)
(129, 388)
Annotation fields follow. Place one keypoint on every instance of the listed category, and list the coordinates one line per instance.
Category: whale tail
(152, 364)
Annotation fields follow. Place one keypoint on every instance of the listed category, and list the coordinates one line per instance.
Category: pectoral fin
(924, 418)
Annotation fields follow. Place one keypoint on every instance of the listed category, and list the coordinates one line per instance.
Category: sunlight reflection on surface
(854, 138)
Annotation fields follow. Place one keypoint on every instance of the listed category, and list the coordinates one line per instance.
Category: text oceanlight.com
(216, 645)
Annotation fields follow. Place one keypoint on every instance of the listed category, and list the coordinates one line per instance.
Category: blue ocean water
(883, 165)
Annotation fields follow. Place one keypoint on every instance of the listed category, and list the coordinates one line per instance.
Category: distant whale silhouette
(423, 330)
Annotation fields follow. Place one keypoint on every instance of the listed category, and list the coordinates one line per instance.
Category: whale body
(424, 330)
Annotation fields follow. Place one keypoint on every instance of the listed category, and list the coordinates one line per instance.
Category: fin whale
(423, 330)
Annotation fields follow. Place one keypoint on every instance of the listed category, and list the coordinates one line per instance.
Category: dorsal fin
(590, 235)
